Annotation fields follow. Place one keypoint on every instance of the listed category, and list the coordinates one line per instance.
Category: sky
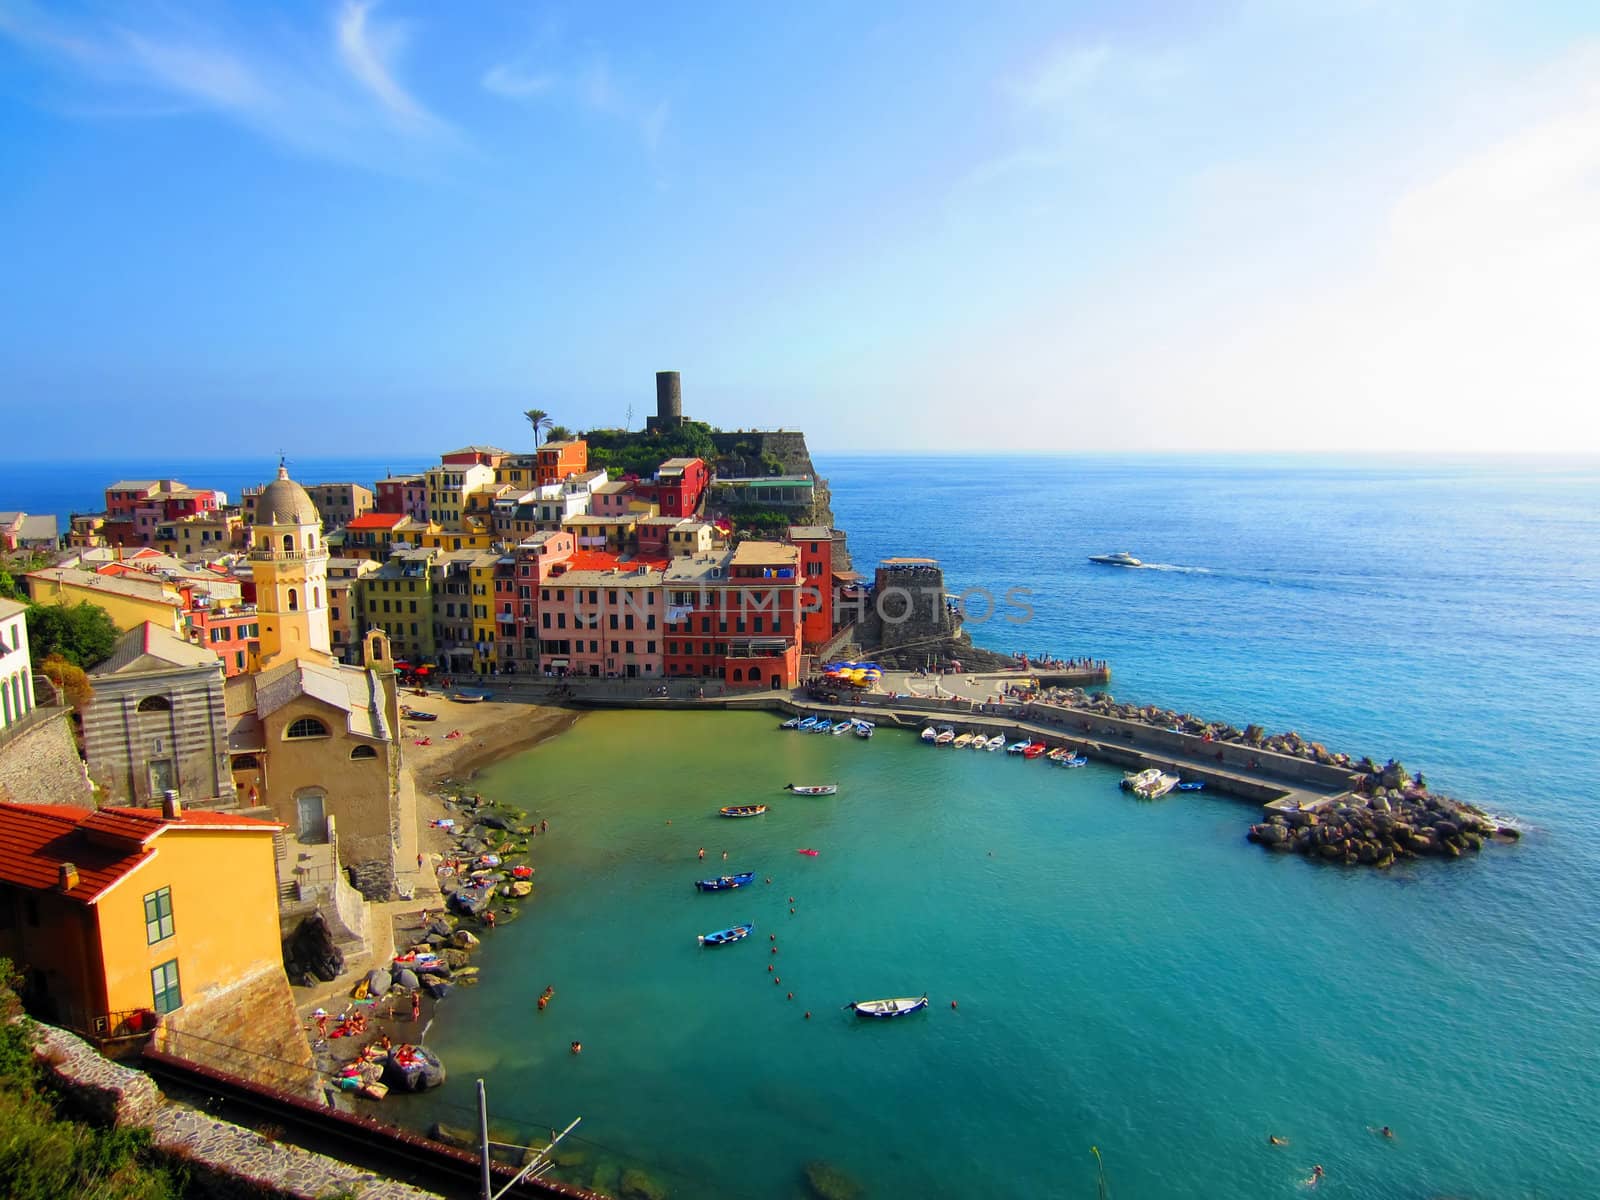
(390, 227)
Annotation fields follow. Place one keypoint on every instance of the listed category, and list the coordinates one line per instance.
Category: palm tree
(540, 420)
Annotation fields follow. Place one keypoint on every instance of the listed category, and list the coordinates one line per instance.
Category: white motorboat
(929, 735)
(1159, 787)
(1133, 780)
(1120, 559)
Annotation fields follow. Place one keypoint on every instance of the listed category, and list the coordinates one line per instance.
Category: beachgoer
(544, 826)
(1387, 1132)
(321, 1018)
(577, 1048)
(488, 917)
(416, 1005)
(1317, 1174)
(702, 853)
(724, 856)
(543, 1000)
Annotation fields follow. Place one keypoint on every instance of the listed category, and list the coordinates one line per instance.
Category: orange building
(560, 460)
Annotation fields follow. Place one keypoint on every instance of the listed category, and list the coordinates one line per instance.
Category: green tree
(540, 420)
(10, 589)
(83, 634)
(558, 433)
(70, 678)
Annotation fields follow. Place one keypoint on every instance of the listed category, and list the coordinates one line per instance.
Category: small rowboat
(929, 735)
(1034, 750)
(842, 727)
(811, 853)
(978, 742)
(742, 810)
(1058, 754)
(806, 724)
(864, 729)
(1018, 747)
(997, 742)
(898, 1007)
(791, 723)
(822, 726)
(1192, 785)
(962, 741)
(812, 789)
(1073, 760)
(723, 936)
(946, 736)
(723, 882)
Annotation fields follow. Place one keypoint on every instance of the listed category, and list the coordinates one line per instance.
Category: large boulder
(378, 982)
(311, 949)
(407, 978)
(464, 939)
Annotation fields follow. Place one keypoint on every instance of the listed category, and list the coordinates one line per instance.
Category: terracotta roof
(104, 845)
(376, 520)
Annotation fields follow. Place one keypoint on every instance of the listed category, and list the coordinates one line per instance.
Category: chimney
(171, 806)
(68, 878)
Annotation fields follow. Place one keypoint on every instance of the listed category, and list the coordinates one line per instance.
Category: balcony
(320, 554)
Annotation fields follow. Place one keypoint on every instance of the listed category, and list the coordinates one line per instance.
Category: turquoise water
(1130, 976)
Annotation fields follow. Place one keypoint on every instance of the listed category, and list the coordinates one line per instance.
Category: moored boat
(723, 936)
(822, 726)
(1192, 785)
(791, 723)
(1058, 754)
(929, 735)
(1157, 788)
(1133, 780)
(806, 724)
(864, 729)
(897, 1007)
(811, 789)
(840, 728)
(997, 742)
(946, 736)
(1073, 760)
(962, 741)
(1018, 747)
(723, 882)
(742, 810)
(1034, 750)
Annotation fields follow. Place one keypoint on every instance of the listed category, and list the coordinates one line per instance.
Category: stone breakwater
(1389, 816)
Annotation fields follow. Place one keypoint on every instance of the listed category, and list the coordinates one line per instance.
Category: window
(361, 752)
(306, 727)
(164, 987)
(155, 704)
(294, 600)
(335, 614)
(158, 916)
(650, 648)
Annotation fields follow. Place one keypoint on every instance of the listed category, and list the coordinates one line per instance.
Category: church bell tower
(290, 565)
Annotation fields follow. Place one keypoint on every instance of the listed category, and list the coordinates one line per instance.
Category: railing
(259, 555)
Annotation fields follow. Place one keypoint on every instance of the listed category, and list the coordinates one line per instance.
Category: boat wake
(1177, 568)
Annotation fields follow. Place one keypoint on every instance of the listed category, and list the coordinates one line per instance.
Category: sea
(1113, 985)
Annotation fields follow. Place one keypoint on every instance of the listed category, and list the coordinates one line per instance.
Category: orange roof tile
(104, 845)
(376, 520)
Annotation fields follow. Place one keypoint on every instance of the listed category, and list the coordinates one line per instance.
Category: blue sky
(1322, 225)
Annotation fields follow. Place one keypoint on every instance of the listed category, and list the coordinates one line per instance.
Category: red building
(134, 507)
(561, 460)
(815, 543)
(679, 486)
(735, 616)
(402, 495)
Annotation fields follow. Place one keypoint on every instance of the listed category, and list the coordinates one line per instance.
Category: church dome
(285, 502)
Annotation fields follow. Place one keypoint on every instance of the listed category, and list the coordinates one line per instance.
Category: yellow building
(206, 535)
(123, 911)
(472, 532)
(290, 565)
(131, 598)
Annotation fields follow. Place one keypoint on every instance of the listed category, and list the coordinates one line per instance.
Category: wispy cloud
(516, 83)
(336, 98)
(1066, 73)
(368, 50)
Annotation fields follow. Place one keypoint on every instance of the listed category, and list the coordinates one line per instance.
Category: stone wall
(249, 1029)
(39, 761)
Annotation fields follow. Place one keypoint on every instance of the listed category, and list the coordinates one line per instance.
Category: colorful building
(815, 543)
(449, 485)
(22, 531)
(402, 495)
(679, 486)
(470, 456)
(734, 616)
(131, 599)
(340, 503)
(376, 535)
(343, 632)
(604, 620)
(16, 664)
(119, 916)
(201, 537)
(289, 563)
(231, 632)
(463, 611)
(557, 461)
(398, 599)
(613, 534)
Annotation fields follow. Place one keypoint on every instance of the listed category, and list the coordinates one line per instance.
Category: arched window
(311, 541)
(738, 674)
(246, 762)
(306, 727)
(288, 542)
(155, 704)
(316, 596)
(294, 600)
(363, 752)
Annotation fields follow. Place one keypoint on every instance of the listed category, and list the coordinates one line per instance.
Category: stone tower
(290, 564)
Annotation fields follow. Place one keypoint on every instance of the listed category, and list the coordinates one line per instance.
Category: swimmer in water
(1317, 1175)
(1386, 1132)
(1274, 1140)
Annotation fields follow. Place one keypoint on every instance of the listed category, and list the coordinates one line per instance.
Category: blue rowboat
(723, 882)
(791, 723)
(806, 724)
(723, 936)
(1018, 747)
(822, 726)
(1192, 785)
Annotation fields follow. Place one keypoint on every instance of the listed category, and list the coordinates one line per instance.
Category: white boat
(1132, 781)
(897, 1007)
(791, 723)
(963, 740)
(929, 735)
(1158, 788)
(864, 729)
(946, 736)
(1120, 559)
(1018, 747)
(842, 727)
(812, 789)
(997, 742)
